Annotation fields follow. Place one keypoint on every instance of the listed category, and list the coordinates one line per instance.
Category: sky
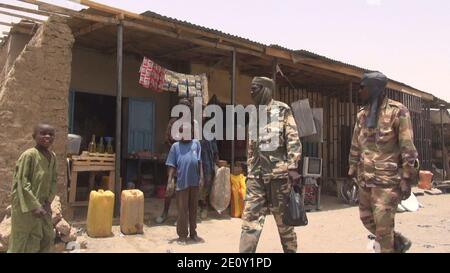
(409, 41)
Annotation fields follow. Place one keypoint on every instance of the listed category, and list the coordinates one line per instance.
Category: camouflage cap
(266, 82)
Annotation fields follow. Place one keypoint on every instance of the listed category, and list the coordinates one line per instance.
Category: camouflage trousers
(377, 208)
(260, 199)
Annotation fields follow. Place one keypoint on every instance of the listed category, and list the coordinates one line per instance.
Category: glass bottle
(92, 146)
(109, 147)
(101, 146)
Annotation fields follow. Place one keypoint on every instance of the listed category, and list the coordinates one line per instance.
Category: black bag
(295, 213)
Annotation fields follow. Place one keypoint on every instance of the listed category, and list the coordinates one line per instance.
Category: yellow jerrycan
(100, 213)
(132, 212)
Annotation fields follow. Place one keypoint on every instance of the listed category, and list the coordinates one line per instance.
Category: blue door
(141, 125)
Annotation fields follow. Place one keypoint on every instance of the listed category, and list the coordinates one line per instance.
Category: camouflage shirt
(384, 155)
(275, 164)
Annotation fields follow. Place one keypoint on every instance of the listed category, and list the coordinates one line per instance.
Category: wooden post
(233, 102)
(6, 24)
(274, 74)
(444, 151)
(350, 95)
(21, 16)
(118, 185)
(72, 194)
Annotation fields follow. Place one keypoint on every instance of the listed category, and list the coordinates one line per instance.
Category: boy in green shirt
(33, 189)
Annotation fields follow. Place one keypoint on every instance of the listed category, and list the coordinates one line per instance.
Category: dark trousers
(187, 202)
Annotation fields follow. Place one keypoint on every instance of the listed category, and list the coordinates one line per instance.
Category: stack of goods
(151, 75)
(160, 79)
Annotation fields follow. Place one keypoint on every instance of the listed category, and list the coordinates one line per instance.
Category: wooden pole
(274, 74)
(233, 102)
(64, 11)
(350, 100)
(33, 11)
(118, 184)
(89, 29)
(20, 16)
(444, 154)
(6, 24)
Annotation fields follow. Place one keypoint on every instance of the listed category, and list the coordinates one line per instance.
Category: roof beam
(6, 24)
(404, 89)
(64, 11)
(22, 30)
(33, 11)
(317, 71)
(89, 29)
(178, 51)
(197, 41)
(105, 8)
(327, 66)
(274, 52)
(354, 72)
(21, 16)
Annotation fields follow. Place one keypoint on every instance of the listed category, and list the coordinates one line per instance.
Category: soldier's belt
(270, 179)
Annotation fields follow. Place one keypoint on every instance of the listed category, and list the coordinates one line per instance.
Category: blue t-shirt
(185, 157)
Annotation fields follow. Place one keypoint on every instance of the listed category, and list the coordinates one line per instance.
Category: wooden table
(92, 163)
(156, 162)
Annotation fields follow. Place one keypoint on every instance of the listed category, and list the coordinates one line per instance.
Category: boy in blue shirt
(184, 158)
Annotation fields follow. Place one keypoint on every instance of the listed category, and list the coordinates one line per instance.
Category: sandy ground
(334, 229)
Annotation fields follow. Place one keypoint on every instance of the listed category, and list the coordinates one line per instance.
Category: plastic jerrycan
(100, 213)
(132, 212)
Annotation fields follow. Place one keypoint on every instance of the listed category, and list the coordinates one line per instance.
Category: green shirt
(34, 180)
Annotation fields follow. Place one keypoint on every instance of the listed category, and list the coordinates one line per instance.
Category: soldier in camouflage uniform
(271, 173)
(384, 160)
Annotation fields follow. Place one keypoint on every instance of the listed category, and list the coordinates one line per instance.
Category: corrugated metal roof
(324, 58)
(191, 25)
(238, 38)
(313, 55)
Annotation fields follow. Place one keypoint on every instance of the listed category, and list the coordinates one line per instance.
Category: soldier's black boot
(401, 243)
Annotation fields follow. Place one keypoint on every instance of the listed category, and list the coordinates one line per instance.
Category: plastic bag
(295, 214)
(220, 195)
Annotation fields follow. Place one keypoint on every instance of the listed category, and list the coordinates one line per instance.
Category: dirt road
(334, 229)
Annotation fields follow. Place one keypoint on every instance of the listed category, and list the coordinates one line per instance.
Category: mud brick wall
(36, 90)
